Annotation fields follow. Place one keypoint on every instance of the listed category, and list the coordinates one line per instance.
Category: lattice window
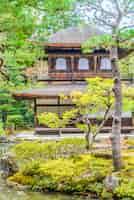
(61, 64)
(105, 64)
(83, 64)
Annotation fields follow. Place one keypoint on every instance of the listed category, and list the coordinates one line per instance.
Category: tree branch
(103, 21)
(126, 27)
(106, 116)
(116, 2)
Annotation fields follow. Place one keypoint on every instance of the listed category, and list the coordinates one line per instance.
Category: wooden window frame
(99, 63)
(52, 64)
(90, 62)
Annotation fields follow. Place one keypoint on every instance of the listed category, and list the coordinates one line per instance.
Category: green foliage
(65, 175)
(96, 102)
(126, 67)
(80, 173)
(24, 180)
(104, 42)
(130, 142)
(55, 5)
(17, 120)
(10, 108)
(126, 189)
(22, 22)
(2, 132)
(52, 120)
(95, 99)
(106, 195)
(127, 36)
(128, 102)
(49, 150)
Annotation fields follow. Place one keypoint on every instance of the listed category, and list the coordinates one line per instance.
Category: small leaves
(98, 42)
(50, 119)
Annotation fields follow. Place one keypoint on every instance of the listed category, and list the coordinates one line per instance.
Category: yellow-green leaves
(68, 115)
(97, 96)
(50, 119)
(127, 66)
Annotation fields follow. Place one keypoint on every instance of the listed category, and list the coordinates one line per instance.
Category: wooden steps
(55, 131)
(124, 129)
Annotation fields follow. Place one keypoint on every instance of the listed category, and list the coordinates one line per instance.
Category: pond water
(7, 193)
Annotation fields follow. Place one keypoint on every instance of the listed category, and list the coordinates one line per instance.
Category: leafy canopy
(21, 23)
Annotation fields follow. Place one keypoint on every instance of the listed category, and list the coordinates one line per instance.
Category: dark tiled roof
(51, 91)
(76, 35)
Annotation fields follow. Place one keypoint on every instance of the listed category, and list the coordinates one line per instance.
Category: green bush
(60, 166)
(49, 150)
(2, 132)
(21, 179)
(16, 120)
(130, 142)
(64, 174)
(126, 189)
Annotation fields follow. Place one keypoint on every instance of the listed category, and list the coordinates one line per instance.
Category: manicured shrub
(130, 142)
(49, 150)
(72, 175)
(21, 179)
(126, 189)
(64, 166)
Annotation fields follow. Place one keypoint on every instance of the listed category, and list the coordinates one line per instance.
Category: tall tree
(20, 22)
(116, 17)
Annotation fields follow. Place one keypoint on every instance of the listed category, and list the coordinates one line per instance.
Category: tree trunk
(60, 132)
(116, 126)
(89, 141)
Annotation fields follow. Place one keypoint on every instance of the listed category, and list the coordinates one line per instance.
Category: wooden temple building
(67, 68)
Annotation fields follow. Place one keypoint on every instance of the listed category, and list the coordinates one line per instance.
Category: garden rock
(3, 139)
(111, 183)
(8, 165)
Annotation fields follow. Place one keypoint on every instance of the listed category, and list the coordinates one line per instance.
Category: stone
(3, 139)
(21, 193)
(111, 182)
(17, 186)
(8, 165)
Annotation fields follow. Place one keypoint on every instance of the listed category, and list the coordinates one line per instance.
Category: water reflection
(18, 195)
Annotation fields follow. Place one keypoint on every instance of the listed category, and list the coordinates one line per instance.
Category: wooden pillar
(72, 68)
(49, 64)
(35, 113)
(95, 64)
(58, 104)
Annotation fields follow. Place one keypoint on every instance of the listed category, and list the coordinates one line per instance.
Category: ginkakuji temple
(67, 68)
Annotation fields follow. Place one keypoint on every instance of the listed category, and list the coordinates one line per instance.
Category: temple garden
(67, 99)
